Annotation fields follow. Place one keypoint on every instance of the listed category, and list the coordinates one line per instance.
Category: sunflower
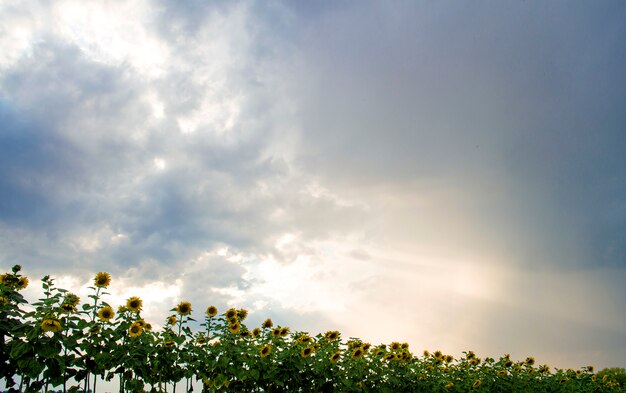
(476, 384)
(148, 327)
(183, 308)
(102, 280)
(242, 314)
(171, 320)
(449, 385)
(306, 352)
(135, 329)
(233, 321)
(508, 363)
(448, 358)
(231, 313)
(72, 298)
(256, 332)
(404, 345)
(389, 356)
(201, 339)
(437, 355)
(426, 353)
(234, 328)
(211, 311)
(276, 332)
(304, 339)
(141, 323)
(169, 344)
(395, 346)
(68, 308)
(22, 283)
(335, 357)
(50, 325)
(544, 369)
(106, 313)
(502, 373)
(134, 304)
(245, 333)
(284, 331)
(332, 335)
(267, 323)
(357, 353)
(265, 351)
(475, 361)
(470, 355)
(530, 361)
(366, 346)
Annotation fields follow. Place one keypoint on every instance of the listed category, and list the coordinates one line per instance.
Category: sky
(448, 174)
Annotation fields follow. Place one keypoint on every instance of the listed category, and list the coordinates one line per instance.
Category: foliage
(57, 341)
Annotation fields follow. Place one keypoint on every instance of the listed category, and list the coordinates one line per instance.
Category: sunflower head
(135, 330)
(256, 332)
(426, 353)
(242, 314)
(304, 339)
(267, 323)
(448, 358)
(211, 311)
(306, 352)
(395, 346)
(357, 353)
(230, 313)
(201, 339)
(22, 283)
(148, 327)
(234, 328)
(134, 304)
(169, 344)
(530, 361)
(284, 331)
(508, 363)
(276, 332)
(183, 308)
(106, 313)
(50, 325)
(171, 320)
(476, 384)
(335, 357)
(265, 351)
(475, 361)
(102, 280)
(72, 299)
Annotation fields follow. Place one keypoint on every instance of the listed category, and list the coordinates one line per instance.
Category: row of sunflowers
(61, 342)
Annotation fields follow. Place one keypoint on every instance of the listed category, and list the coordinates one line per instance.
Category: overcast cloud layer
(448, 174)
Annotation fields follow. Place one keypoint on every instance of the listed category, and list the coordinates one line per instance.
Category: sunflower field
(62, 343)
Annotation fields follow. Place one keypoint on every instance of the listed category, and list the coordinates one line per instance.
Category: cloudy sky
(450, 174)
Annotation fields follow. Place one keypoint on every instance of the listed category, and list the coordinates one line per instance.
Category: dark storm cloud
(528, 93)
